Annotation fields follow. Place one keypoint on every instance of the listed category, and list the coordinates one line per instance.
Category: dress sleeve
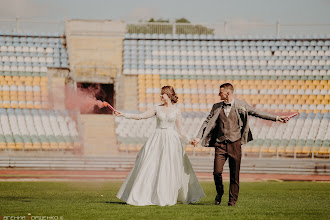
(147, 114)
(185, 139)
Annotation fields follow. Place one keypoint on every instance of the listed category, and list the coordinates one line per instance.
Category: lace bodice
(165, 120)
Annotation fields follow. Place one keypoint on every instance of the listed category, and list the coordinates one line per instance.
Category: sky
(197, 11)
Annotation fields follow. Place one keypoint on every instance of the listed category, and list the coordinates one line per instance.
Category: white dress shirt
(227, 109)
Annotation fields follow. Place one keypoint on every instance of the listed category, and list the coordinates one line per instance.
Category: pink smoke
(82, 99)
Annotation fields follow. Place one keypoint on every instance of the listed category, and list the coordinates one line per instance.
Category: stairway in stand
(99, 135)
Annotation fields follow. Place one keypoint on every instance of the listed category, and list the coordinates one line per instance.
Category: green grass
(83, 200)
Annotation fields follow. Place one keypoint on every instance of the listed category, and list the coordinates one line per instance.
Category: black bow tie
(226, 104)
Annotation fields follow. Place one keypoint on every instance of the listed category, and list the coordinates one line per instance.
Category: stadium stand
(27, 123)
(25, 129)
(274, 74)
(28, 52)
(24, 61)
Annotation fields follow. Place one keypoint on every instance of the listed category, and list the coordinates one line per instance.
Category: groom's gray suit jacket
(243, 110)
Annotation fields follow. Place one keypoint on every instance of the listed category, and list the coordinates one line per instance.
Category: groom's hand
(195, 142)
(283, 119)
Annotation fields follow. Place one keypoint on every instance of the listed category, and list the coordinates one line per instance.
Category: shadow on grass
(111, 202)
(17, 198)
(201, 204)
(119, 203)
(124, 203)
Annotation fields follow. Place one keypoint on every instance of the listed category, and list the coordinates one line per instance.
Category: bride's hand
(105, 104)
(195, 142)
(101, 104)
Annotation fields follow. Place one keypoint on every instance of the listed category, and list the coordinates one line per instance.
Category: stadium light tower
(17, 24)
(278, 28)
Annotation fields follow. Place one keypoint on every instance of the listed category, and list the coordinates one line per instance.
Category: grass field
(84, 200)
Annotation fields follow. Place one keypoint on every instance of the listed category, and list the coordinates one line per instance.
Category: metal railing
(223, 28)
(19, 26)
(229, 28)
(167, 28)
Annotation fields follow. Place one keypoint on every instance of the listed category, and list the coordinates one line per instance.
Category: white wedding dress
(162, 173)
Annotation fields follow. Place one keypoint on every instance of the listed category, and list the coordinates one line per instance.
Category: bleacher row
(196, 57)
(19, 52)
(276, 95)
(303, 135)
(23, 91)
(25, 129)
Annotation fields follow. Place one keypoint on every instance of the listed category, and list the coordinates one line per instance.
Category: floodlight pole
(278, 28)
(225, 25)
(17, 24)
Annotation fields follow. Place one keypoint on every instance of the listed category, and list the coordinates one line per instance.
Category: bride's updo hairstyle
(169, 91)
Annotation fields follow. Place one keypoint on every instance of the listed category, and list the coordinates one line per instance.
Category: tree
(159, 20)
(182, 26)
(182, 20)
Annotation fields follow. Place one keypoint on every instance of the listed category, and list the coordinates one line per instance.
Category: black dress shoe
(231, 204)
(217, 200)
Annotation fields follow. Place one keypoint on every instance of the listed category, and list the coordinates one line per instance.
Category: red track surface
(118, 175)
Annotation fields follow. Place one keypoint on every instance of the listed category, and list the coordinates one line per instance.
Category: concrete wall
(95, 49)
(127, 94)
(99, 134)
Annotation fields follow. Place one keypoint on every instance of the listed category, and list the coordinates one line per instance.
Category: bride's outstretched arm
(179, 128)
(147, 114)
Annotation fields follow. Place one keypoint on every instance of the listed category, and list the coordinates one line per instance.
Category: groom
(226, 128)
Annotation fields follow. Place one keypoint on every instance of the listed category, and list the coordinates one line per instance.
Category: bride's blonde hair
(169, 91)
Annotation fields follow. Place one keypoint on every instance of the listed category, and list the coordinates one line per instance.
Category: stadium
(52, 133)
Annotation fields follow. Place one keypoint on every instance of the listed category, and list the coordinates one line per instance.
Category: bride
(162, 173)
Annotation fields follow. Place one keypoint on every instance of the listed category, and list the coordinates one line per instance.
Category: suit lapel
(213, 120)
(217, 112)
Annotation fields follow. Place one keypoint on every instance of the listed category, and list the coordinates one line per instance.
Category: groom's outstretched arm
(261, 114)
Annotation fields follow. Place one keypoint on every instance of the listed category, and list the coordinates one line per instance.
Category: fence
(229, 28)
(224, 28)
(273, 29)
(21, 26)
